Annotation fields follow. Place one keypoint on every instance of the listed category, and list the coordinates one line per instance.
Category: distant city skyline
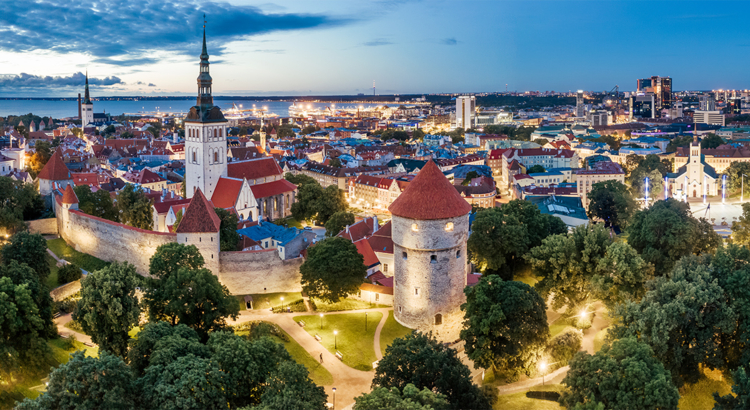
(293, 47)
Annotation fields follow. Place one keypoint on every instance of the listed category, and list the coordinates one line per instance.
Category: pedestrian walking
(321, 357)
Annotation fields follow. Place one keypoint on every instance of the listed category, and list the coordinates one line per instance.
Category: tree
(567, 264)
(333, 269)
(229, 238)
(195, 383)
(22, 274)
(193, 297)
(711, 140)
(300, 179)
(612, 202)
(624, 375)
(307, 197)
(135, 207)
(502, 236)
(418, 134)
(621, 276)
(97, 203)
(335, 162)
(637, 181)
(536, 169)
(338, 222)
(632, 161)
(42, 154)
(68, 273)
(108, 308)
(741, 389)
(18, 202)
(289, 387)
(469, 176)
(421, 360)
(735, 177)
(142, 347)
(664, 233)
(28, 248)
(505, 325)
(678, 142)
(681, 317)
(706, 239)
(309, 130)
(87, 383)
(167, 260)
(741, 228)
(329, 203)
(410, 399)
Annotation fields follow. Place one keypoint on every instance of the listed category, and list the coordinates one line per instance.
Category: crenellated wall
(259, 272)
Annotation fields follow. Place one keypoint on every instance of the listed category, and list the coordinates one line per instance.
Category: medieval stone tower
(200, 227)
(430, 228)
(87, 107)
(205, 137)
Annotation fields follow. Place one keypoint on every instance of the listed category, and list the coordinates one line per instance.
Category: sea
(64, 109)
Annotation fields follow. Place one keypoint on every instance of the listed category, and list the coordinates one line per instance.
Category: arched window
(216, 157)
(216, 133)
(194, 160)
(438, 319)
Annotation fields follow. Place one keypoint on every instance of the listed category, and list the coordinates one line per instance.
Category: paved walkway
(62, 330)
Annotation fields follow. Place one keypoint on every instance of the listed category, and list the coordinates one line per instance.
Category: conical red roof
(430, 196)
(199, 216)
(69, 197)
(55, 169)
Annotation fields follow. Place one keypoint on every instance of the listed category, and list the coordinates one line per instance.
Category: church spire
(204, 79)
(86, 98)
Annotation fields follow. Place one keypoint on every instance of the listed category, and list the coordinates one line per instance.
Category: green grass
(52, 278)
(82, 260)
(264, 301)
(75, 326)
(699, 396)
(343, 304)
(599, 339)
(558, 329)
(352, 341)
(391, 331)
(519, 401)
(319, 374)
(290, 221)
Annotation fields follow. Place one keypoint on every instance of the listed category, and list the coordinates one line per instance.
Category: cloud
(147, 85)
(377, 42)
(136, 32)
(270, 51)
(451, 41)
(37, 81)
(151, 85)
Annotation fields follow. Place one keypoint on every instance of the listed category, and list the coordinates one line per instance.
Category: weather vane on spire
(204, 20)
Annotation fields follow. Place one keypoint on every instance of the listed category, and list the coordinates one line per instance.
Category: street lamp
(334, 398)
(282, 304)
(365, 322)
(321, 320)
(335, 332)
(543, 369)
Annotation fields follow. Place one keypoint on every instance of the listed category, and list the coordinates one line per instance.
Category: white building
(709, 117)
(465, 111)
(580, 105)
(87, 107)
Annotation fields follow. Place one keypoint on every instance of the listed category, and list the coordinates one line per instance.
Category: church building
(695, 178)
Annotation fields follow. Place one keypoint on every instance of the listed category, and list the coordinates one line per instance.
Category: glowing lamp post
(282, 304)
(647, 188)
(705, 189)
(686, 188)
(666, 188)
(543, 369)
(334, 398)
(335, 332)
(321, 320)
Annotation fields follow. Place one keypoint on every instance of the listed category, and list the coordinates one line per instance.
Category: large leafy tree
(228, 229)
(741, 389)
(108, 308)
(18, 202)
(300, 179)
(42, 154)
(189, 382)
(135, 207)
(502, 236)
(97, 203)
(87, 383)
(142, 347)
(711, 140)
(637, 181)
(193, 297)
(741, 228)
(682, 317)
(318, 203)
(731, 269)
(167, 259)
(621, 275)
(22, 274)
(333, 270)
(612, 202)
(735, 177)
(622, 376)
(329, 203)
(289, 387)
(665, 232)
(567, 263)
(421, 360)
(28, 248)
(338, 222)
(410, 399)
(505, 325)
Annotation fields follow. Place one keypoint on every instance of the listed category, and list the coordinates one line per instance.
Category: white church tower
(205, 137)
(87, 107)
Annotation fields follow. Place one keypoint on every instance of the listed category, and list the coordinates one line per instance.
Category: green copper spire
(204, 78)
(86, 98)
(204, 54)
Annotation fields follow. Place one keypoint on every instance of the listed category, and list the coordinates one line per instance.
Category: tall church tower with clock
(205, 137)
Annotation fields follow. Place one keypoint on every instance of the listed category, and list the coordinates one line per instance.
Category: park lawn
(699, 395)
(519, 401)
(391, 331)
(264, 301)
(352, 340)
(52, 278)
(559, 328)
(599, 339)
(343, 304)
(82, 260)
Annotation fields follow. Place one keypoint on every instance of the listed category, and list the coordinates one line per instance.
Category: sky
(339, 47)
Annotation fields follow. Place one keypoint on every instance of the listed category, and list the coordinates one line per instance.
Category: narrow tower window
(449, 226)
(433, 258)
(216, 157)
(414, 228)
(404, 255)
(458, 254)
(438, 319)
(416, 291)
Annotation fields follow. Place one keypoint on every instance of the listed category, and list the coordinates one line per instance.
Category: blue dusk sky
(318, 47)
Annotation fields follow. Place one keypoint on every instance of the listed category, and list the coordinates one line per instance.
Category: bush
(543, 395)
(582, 322)
(68, 273)
(490, 392)
(563, 347)
(298, 306)
(66, 306)
(257, 329)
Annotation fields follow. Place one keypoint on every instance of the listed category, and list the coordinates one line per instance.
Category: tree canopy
(228, 236)
(536, 169)
(410, 399)
(338, 222)
(612, 202)
(505, 325)
(711, 140)
(735, 177)
(300, 179)
(333, 269)
(97, 203)
(318, 203)
(621, 275)
(19, 202)
(135, 207)
(22, 274)
(741, 227)
(28, 248)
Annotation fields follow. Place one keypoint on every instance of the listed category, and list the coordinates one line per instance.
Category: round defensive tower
(430, 227)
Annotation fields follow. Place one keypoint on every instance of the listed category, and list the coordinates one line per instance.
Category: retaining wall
(61, 292)
(46, 226)
(259, 272)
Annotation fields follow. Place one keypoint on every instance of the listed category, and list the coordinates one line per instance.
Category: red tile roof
(163, 207)
(272, 188)
(69, 197)
(363, 247)
(55, 169)
(226, 192)
(360, 230)
(254, 168)
(199, 217)
(430, 196)
(146, 176)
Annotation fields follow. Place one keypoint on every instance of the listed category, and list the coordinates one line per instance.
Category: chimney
(347, 228)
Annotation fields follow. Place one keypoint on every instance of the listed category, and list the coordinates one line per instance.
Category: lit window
(414, 228)
(449, 226)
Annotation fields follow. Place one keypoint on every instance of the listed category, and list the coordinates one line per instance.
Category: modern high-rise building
(709, 117)
(580, 105)
(734, 105)
(643, 106)
(707, 102)
(465, 111)
(661, 87)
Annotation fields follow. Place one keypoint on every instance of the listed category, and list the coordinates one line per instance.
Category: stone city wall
(46, 226)
(61, 292)
(249, 272)
(111, 241)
